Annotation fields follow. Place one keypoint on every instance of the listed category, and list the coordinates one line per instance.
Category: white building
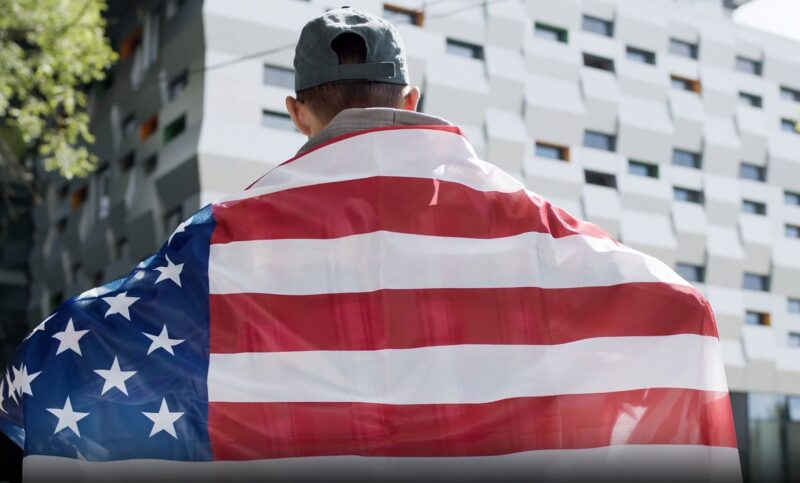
(671, 127)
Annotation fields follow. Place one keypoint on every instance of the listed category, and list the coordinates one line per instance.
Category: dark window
(754, 281)
(687, 195)
(683, 83)
(127, 162)
(753, 172)
(122, 249)
(279, 76)
(148, 128)
(792, 231)
(640, 55)
(552, 151)
(750, 99)
(788, 125)
(639, 168)
(128, 125)
(175, 128)
(277, 120)
(600, 179)
(691, 273)
(790, 94)
(178, 84)
(63, 191)
(682, 48)
(464, 49)
(56, 299)
(598, 140)
(401, 15)
(596, 62)
(791, 198)
(793, 341)
(754, 207)
(598, 26)
(549, 32)
(686, 158)
(79, 197)
(61, 224)
(150, 164)
(793, 306)
(743, 64)
(752, 317)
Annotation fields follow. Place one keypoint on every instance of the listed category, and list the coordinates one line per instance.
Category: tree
(50, 52)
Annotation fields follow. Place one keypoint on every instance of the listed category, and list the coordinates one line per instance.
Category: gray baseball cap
(316, 63)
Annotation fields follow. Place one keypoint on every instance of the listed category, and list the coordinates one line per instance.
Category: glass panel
(753, 281)
(684, 49)
(639, 55)
(790, 94)
(642, 169)
(754, 207)
(279, 76)
(750, 66)
(549, 151)
(277, 120)
(687, 195)
(551, 33)
(793, 306)
(750, 99)
(598, 26)
(791, 198)
(692, 273)
(788, 125)
(751, 171)
(596, 62)
(600, 179)
(597, 140)
(686, 158)
(464, 49)
(792, 231)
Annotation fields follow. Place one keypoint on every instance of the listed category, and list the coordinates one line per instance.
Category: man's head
(347, 58)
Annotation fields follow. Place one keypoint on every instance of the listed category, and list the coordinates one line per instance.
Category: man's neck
(354, 120)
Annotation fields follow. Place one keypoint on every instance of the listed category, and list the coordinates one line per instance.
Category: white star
(119, 304)
(68, 339)
(11, 390)
(162, 341)
(163, 420)
(40, 326)
(170, 272)
(181, 228)
(115, 377)
(67, 418)
(17, 383)
(25, 381)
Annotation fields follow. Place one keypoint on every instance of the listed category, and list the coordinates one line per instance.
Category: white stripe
(389, 260)
(469, 373)
(614, 463)
(416, 153)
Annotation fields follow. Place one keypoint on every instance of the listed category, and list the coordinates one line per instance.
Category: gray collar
(360, 119)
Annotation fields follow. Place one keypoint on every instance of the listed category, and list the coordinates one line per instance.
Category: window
(277, 120)
(55, 300)
(598, 140)
(639, 168)
(103, 190)
(791, 198)
(598, 26)
(400, 15)
(753, 172)
(61, 224)
(63, 191)
(174, 128)
(640, 55)
(750, 66)
(464, 49)
(150, 164)
(177, 85)
(685, 84)
(790, 94)
(551, 33)
(172, 219)
(686, 158)
(600, 179)
(754, 207)
(552, 151)
(750, 99)
(687, 195)
(793, 306)
(128, 125)
(278, 76)
(682, 48)
(752, 317)
(596, 62)
(128, 46)
(122, 249)
(788, 125)
(126, 163)
(754, 281)
(79, 197)
(793, 341)
(148, 128)
(691, 273)
(791, 231)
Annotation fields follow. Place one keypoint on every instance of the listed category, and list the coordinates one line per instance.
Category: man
(384, 305)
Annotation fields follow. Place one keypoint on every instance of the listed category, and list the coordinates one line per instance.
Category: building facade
(672, 128)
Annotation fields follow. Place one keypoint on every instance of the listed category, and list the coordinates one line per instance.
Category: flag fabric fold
(386, 304)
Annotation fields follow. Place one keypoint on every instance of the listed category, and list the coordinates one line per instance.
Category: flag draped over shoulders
(386, 304)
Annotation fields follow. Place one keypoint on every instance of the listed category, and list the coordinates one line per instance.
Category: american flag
(386, 304)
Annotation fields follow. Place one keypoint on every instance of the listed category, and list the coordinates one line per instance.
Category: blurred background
(671, 123)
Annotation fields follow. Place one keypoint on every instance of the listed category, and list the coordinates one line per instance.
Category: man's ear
(299, 115)
(411, 99)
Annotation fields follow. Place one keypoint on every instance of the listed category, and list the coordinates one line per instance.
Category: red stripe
(244, 431)
(400, 319)
(342, 137)
(403, 205)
